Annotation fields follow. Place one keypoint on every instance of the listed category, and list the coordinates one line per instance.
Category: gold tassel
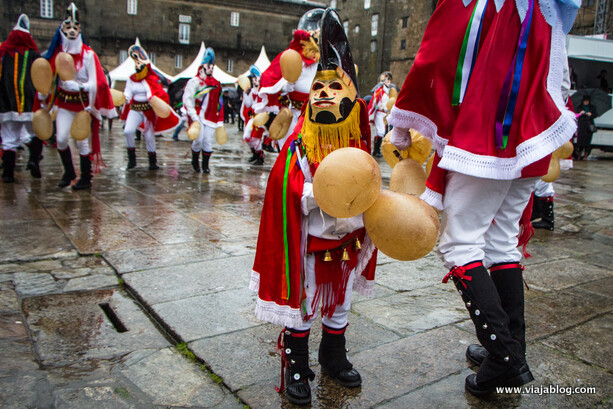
(345, 254)
(321, 139)
(358, 245)
(327, 256)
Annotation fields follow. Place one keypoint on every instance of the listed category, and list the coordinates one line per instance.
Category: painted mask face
(331, 99)
(71, 27)
(140, 57)
(255, 81)
(207, 69)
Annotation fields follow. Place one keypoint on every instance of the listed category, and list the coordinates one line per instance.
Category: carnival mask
(206, 69)
(140, 57)
(331, 98)
(71, 27)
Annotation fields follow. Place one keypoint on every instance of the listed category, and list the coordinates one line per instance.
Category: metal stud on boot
(333, 358)
(295, 371)
(505, 364)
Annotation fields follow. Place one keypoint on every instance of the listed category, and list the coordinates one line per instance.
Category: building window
(333, 4)
(373, 46)
(183, 33)
(132, 7)
(403, 44)
(46, 8)
(357, 28)
(123, 55)
(230, 65)
(405, 22)
(366, 4)
(152, 58)
(178, 61)
(234, 18)
(346, 26)
(374, 24)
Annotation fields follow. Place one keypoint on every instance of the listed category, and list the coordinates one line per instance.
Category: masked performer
(87, 91)
(138, 113)
(203, 102)
(377, 110)
(276, 93)
(486, 90)
(304, 256)
(18, 99)
(253, 135)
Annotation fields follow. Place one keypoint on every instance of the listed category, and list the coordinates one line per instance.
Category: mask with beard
(71, 28)
(140, 57)
(332, 97)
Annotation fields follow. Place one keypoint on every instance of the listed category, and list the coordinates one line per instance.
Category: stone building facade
(170, 30)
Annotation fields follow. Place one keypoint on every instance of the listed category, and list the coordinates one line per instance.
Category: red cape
(17, 42)
(277, 270)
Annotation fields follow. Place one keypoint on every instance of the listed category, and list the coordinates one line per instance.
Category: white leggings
(339, 318)
(481, 219)
(134, 119)
(63, 121)
(205, 139)
(14, 133)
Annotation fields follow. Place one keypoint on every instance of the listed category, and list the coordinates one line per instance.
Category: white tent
(262, 62)
(192, 70)
(127, 68)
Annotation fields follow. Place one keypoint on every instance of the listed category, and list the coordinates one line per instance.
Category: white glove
(73, 86)
(288, 87)
(401, 138)
(307, 201)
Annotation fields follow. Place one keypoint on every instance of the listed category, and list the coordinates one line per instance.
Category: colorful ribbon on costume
(510, 88)
(289, 162)
(468, 53)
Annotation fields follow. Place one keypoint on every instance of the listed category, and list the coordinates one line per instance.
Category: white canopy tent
(127, 68)
(192, 70)
(262, 62)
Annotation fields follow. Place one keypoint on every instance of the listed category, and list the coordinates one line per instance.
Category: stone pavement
(135, 295)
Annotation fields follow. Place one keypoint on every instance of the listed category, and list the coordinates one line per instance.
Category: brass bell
(358, 245)
(345, 254)
(327, 256)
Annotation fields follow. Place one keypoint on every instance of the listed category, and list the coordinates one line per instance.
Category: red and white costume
(275, 92)
(203, 103)
(471, 165)
(377, 109)
(138, 91)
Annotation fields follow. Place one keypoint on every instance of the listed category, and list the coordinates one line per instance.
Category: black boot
(536, 208)
(131, 158)
(547, 217)
(85, 182)
(8, 166)
(295, 371)
(260, 158)
(69, 173)
(333, 358)
(376, 151)
(505, 364)
(195, 161)
(254, 156)
(153, 161)
(509, 282)
(205, 161)
(36, 149)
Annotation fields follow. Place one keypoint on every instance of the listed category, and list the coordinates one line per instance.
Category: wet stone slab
(190, 280)
(209, 315)
(560, 274)
(182, 383)
(250, 356)
(599, 352)
(25, 240)
(411, 362)
(8, 298)
(415, 311)
(228, 224)
(72, 327)
(407, 276)
(176, 255)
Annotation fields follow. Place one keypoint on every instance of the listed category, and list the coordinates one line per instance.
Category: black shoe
(299, 393)
(295, 360)
(69, 173)
(85, 181)
(8, 166)
(259, 161)
(349, 378)
(131, 158)
(333, 358)
(510, 378)
(8, 179)
(153, 161)
(475, 353)
(206, 156)
(195, 161)
(82, 184)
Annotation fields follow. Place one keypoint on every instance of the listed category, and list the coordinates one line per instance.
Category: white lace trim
(254, 283)
(433, 198)
(16, 117)
(273, 89)
(278, 314)
(363, 286)
(422, 124)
